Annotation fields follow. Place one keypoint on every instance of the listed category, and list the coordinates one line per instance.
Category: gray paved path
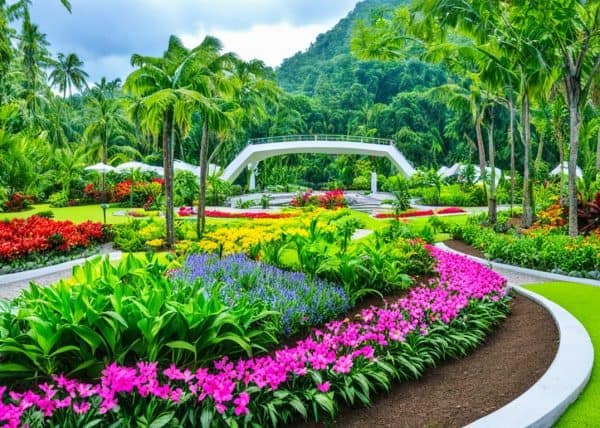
(11, 290)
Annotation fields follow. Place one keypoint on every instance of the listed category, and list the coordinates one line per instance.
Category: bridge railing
(321, 137)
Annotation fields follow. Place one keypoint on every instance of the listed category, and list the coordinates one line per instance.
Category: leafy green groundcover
(583, 302)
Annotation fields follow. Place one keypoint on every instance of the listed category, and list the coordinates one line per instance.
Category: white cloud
(270, 43)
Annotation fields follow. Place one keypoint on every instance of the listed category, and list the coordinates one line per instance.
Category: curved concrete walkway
(543, 403)
(12, 284)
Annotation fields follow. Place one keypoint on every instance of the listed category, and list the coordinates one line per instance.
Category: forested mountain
(336, 93)
(300, 72)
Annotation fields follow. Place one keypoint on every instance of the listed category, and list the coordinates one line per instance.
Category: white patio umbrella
(103, 169)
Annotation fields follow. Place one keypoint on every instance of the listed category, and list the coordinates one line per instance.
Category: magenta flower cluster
(336, 347)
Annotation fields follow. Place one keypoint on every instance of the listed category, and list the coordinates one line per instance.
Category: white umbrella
(100, 167)
(129, 166)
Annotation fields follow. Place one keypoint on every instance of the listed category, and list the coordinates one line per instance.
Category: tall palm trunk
(104, 157)
(561, 159)
(167, 139)
(540, 150)
(598, 151)
(201, 220)
(492, 204)
(527, 219)
(574, 95)
(511, 140)
(481, 148)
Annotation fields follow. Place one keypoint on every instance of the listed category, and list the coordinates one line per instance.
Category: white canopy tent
(459, 169)
(100, 167)
(447, 172)
(133, 165)
(194, 169)
(565, 169)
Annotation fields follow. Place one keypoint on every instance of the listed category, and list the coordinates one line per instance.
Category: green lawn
(583, 302)
(75, 214)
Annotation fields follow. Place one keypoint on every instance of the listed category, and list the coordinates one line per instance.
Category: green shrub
(548, 251)
(361, 183)
(58, 200)
(185, 188)
(126, 313)
(45, 214)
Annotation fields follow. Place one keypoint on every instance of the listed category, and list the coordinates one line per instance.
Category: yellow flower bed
(242, 238)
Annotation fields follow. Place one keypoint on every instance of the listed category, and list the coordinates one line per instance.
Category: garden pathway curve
(11, 290)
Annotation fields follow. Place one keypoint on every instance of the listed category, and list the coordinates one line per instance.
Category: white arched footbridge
(264, 148)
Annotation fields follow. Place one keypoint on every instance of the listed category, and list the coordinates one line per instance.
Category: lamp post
(103, 169)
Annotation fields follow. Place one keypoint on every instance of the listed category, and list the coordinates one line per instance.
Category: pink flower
(241, 403)
(82, 408)
(343, 365)
(324, 387)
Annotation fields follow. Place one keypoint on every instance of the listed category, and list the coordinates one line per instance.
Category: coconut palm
(166, 90)
(216, 87)
(68, 73)
(107, 124)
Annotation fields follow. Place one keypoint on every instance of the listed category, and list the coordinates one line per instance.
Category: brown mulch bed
(458, 392)
(463, 247)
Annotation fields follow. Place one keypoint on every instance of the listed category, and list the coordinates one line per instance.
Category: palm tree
(210, 80)
(68, 166)
(68, 73)
(165, 87)
(107, 123)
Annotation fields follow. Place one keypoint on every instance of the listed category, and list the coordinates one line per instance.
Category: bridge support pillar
(252, 179)
(373, 182)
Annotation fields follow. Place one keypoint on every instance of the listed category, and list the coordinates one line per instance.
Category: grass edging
(582, 301)
(544, 403)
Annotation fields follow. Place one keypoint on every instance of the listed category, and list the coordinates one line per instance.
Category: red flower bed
(422, 213)
(20, 238)
(188, 211)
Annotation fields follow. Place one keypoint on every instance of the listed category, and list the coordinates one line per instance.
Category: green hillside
(301, 71)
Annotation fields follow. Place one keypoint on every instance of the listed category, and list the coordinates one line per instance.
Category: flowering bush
(122, 191)
(333, 199)
(301, 300)
(36, 235)
(343, 362)
(423, 213)
(90, 194)
(306, 199)
(18, 202)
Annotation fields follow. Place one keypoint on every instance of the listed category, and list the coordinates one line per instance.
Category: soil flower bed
(422, 213)
(342, 362)
(188, 211)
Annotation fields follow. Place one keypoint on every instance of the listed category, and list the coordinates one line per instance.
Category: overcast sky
(104, 33)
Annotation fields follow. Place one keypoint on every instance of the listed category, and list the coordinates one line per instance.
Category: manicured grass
(417, 223)
(583, 302)
(75, 214)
